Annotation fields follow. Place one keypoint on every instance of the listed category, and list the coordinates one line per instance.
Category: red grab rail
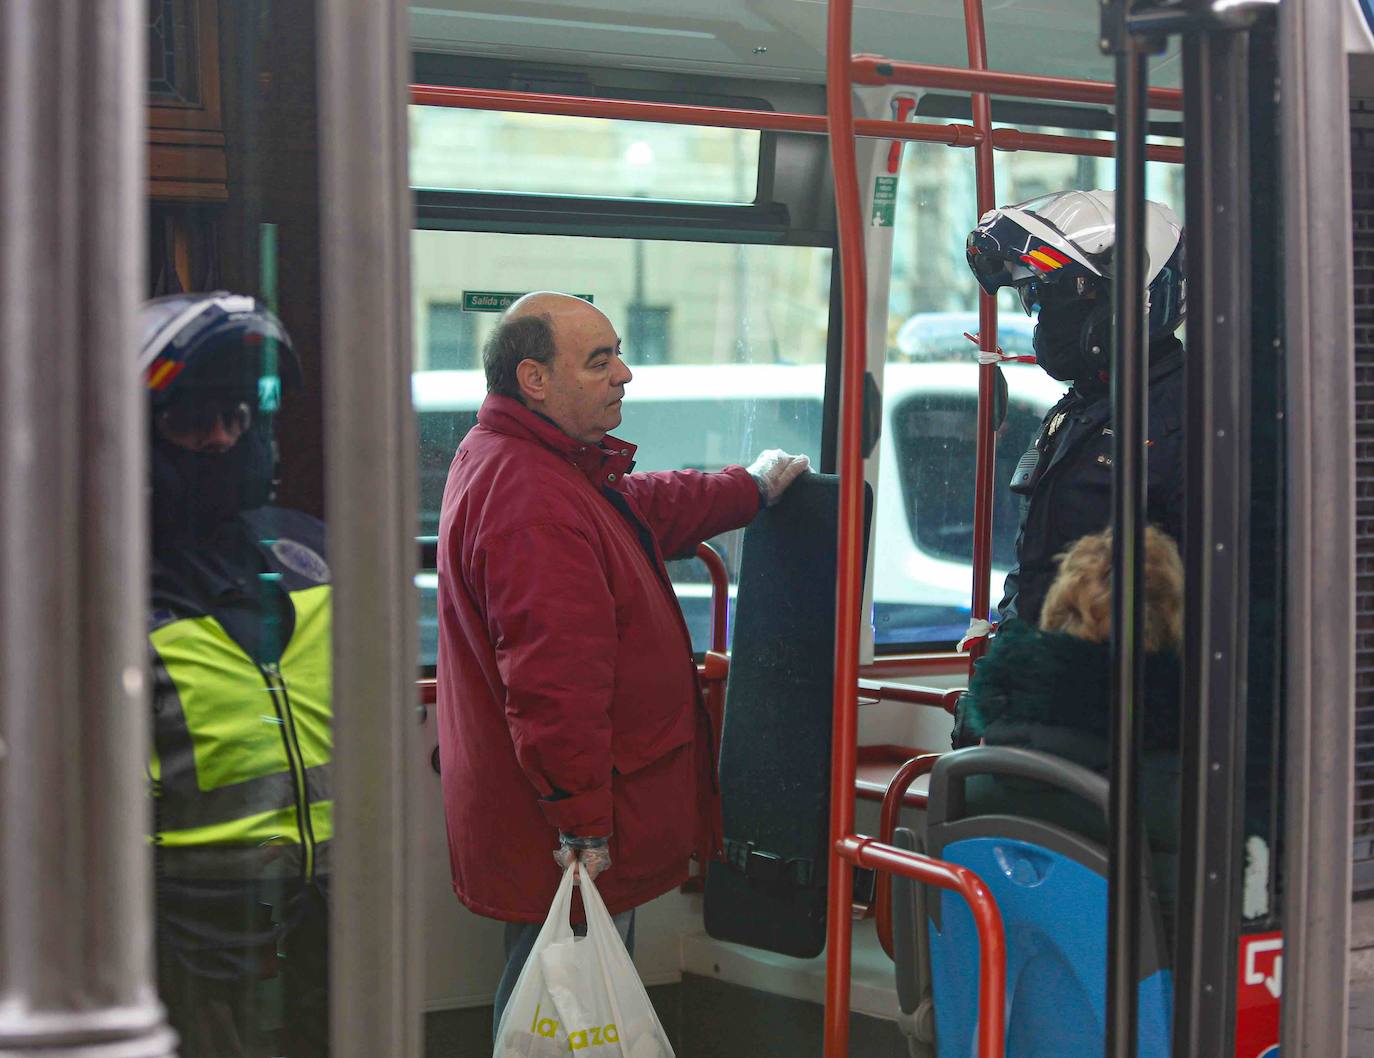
(875, 70)
(952, 135)
(715, 664)
(848, 590)
(720, 595)
(986, 450)
(849, 847)
(891, 812)
(987, 920)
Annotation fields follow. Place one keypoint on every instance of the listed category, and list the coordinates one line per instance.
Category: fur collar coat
(1052, 691)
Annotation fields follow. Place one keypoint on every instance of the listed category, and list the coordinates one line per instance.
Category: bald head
(528, 331)
(560, 356)
(551, 305)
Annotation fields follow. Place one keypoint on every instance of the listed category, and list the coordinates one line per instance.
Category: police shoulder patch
(298, 558)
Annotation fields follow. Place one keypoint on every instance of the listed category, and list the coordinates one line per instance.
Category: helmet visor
(200, 415)
(992, 264)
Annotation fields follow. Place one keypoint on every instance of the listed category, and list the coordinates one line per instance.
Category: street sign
(498, 300)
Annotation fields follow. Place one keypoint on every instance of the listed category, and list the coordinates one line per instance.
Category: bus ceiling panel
(779, 40)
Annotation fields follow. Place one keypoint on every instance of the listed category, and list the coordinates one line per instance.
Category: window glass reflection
(727, 345)
(923, 572)
(474, 150)
(239, 599)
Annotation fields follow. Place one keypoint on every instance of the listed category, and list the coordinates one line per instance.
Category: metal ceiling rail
(1045, 143)
(951, 135)
(875, 70)
(676, 113)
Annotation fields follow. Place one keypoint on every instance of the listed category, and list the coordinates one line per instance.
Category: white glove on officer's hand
(593, 855)
(774, 470)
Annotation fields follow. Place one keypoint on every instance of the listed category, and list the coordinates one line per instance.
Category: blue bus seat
(1050, 885)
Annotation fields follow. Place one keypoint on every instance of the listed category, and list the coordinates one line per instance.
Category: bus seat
(775, 742)
(1050, 885)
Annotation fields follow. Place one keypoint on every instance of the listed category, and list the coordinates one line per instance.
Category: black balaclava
(1066, 335)
(194, 493)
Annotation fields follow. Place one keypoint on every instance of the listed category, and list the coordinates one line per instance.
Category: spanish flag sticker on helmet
(161, 372)
(1045, 259)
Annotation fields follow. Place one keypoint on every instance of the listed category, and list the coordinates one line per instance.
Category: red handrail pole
(987, 921)
(893, 797)
(849, 568)
(1047, 143)
(678, 114)
(951, 135)
(876, 70)
(720, 595)
(986, 450)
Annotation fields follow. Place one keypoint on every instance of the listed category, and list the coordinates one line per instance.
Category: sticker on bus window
(884, 201)
(499, 300)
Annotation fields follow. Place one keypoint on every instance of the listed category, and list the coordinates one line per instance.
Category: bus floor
(704, 1018)
(707, 1016)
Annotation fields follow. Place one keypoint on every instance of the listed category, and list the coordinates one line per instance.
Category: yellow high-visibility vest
(242, 750)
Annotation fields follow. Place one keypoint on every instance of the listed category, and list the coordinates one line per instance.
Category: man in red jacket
(570, 721)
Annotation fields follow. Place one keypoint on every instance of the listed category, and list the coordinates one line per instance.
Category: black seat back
(775, 744)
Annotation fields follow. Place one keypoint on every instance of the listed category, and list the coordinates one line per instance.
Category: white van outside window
(708, 416)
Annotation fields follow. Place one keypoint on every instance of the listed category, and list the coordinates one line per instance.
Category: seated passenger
(1048, 688)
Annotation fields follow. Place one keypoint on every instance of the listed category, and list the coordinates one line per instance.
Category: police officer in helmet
(1056, 252)
(239, 640)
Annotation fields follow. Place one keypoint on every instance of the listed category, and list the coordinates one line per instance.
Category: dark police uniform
(1065, 478)
(239, 634)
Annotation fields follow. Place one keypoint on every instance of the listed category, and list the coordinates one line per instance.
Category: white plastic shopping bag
(580, 994)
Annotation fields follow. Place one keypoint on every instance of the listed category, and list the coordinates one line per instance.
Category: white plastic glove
(774, 470)
(593, 855)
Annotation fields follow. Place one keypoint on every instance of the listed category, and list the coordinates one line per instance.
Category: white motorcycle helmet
(1057, 251)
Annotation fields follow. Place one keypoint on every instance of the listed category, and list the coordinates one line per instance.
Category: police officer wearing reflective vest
(1056, 252)
(238, 628)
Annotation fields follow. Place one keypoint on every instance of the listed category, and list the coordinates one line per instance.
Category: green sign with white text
(498, 300)
(884, 201)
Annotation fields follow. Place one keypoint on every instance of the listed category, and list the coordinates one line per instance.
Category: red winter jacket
(567, 693)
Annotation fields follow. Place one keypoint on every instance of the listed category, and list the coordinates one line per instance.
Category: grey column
(372, 508)
(75, 900)
(1321, 521)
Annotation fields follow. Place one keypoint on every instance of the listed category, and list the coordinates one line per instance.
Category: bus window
(923, 569)
(730, 357)
(938, 486)
(466, 150)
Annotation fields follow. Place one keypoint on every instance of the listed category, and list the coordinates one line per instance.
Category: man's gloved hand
(593, 855)
(774, 470)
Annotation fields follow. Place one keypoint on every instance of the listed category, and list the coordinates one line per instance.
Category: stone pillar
(371, 505)
(76, 975)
